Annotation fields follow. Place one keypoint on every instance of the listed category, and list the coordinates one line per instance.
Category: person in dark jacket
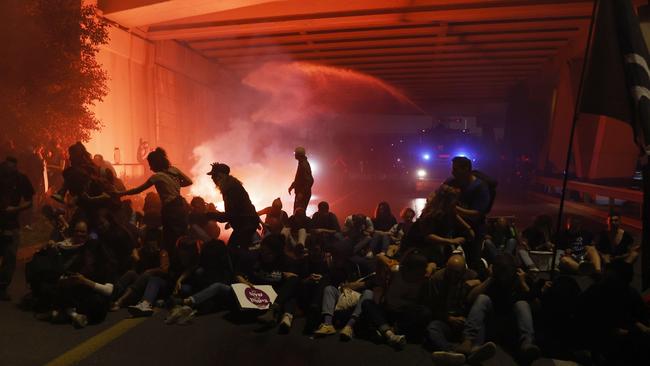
(303, 181)
(16, 193)
(239, 211)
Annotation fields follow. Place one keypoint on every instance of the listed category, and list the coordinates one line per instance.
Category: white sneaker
(396, 340)
(79, 320)
(142, 309)
(285, 323)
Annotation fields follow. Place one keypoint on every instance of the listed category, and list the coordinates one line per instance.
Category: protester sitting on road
(160, 283)
(317, 276)
(439, 231)
(579, 254)
(349, 286)
(615, 243)
(500, 238)
(84, 290)
(502, 297)
(274, 268)
(297, 229)
(403, 313)
(450, 288)
(382, 222)
(358, 232)
(399, 230)
(208, 286)
(48, 265)
(325, 226)
(612, 321)
(276, 218)
(537, 237)
(117, 239)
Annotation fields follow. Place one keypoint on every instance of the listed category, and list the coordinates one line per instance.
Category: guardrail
(625, 194)
(612, 193)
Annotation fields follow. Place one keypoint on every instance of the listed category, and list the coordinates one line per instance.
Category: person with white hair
(303, 181)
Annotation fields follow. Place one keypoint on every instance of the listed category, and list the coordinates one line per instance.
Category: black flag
(617, 79)
(617, 84)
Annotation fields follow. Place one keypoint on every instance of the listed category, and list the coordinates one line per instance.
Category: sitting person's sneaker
(79, 320)
(174, 315)
(396, 340)
(115, 307)
(482, 353)
(186, 315)
(529, 352)
(325, 330)
(142, 309)
(285, 323)
(448, 358)
(346, 333)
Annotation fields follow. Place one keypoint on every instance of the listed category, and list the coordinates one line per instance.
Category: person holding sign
(275, 269)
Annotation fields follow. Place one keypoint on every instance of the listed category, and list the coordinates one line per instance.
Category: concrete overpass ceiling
(437, 51)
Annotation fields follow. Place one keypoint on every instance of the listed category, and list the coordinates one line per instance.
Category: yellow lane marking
(93, 344)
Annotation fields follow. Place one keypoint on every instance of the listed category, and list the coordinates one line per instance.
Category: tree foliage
(51, 76)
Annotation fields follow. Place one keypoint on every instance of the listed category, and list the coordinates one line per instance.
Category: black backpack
(491, 184)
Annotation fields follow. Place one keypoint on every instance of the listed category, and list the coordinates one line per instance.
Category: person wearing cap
(239, 211)
(303, 181)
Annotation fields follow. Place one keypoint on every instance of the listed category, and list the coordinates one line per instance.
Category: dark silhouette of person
(239, 211)
(303, 181)
(16, 194)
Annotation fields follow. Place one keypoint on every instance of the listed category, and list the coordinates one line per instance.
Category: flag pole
(576, 115)
(645, 226)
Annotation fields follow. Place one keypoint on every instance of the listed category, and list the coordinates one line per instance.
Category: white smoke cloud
(290, 99)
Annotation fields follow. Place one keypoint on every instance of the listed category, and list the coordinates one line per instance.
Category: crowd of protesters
(452, 279)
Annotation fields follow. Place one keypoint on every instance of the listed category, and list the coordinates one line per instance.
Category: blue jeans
(482, 308)
(490, 249)
(438, 333)
(216, 289)
(379, 243)
(154, 286)
(331, 295)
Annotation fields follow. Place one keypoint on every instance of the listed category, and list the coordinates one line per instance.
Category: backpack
(491, 184)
